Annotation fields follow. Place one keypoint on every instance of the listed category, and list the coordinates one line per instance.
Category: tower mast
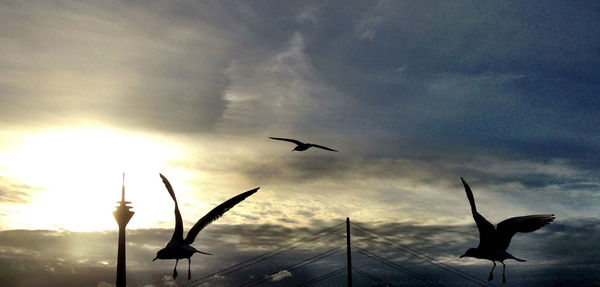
(348, 252)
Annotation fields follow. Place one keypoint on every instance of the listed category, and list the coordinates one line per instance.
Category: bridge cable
(296, 266)
(398, 267)
(424, 257)
(265, 256)
(370, 276)
(322, 277)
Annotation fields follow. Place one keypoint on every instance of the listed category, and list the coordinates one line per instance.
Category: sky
(413, 94)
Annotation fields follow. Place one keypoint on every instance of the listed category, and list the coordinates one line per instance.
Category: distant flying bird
(179, 248)
(493, 242)
(300, 146)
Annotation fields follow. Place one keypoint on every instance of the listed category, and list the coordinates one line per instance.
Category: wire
(397, 267)
(425, 257)
(370, 276)
(296, 266)
(322, 277)
(264, 256)
(325, 232)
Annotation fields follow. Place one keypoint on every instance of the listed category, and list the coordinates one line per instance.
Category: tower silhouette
(122, 215)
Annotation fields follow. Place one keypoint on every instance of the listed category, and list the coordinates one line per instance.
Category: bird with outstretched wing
(493, 242)
(300, 146)
(178, 247)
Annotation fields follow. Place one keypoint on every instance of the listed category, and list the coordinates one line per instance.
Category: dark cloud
(43, 258)
(517, 78)
(465, 76)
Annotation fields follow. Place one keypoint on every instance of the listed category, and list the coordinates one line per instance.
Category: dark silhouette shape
(122, 215)
(179, 248)
(300, 146)
(493, 242)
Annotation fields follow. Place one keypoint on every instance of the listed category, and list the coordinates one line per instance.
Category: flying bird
(493, 242)
(179, 248)
(300, 146)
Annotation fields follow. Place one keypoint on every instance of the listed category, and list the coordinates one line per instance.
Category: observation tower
(122, 215)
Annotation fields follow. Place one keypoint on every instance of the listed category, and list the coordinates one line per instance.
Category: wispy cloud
(396, 189)
(279, 275)
(12, 192)
(281, 92)
(62, 64)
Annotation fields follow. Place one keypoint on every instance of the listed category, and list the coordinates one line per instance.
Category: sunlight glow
(77, 174)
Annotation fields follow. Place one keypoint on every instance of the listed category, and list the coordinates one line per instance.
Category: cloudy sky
(414, 94)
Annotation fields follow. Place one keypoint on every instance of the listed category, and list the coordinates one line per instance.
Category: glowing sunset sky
(414, 94)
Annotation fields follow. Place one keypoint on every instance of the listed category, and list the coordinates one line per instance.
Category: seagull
(300, 146)
(493, 242)
(179, 248)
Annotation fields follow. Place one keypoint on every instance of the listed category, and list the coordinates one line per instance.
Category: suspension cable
(370, 276)
(424, 257)
(265, 256)
(296, 266)
(322, 277)
(398, 267)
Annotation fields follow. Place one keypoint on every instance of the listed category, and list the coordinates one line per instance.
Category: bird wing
(487, 232)
(215, 214)
(323, 147)
(508, 228)
(288, 140)
(178, 232)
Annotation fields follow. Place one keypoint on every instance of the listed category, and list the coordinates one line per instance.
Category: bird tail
(518, 259)
(202, 252)
(510, 256)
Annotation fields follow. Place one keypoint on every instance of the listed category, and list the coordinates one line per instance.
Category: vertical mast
(348, 254)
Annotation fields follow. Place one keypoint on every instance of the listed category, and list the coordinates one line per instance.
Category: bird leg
(503, 274)
(189, 273)
(492, 272)
(175, 269)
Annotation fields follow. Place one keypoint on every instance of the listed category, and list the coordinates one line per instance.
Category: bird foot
(491, 277)
(503, 279)
(174, 273)
(189, 275)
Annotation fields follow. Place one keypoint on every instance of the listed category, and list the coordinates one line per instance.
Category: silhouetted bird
(493, 242)
(300, 146)
(179, 248)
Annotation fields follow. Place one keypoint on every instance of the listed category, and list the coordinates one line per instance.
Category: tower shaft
(121, 277)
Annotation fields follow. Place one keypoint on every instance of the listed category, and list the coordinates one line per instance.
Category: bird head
(161, 254)
(471, 252)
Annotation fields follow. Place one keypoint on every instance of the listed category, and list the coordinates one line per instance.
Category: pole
(348, 256)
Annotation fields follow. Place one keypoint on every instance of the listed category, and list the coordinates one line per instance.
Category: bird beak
(154, 258)
(462, 256)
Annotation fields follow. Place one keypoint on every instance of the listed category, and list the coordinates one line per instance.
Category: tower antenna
(123, 189)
